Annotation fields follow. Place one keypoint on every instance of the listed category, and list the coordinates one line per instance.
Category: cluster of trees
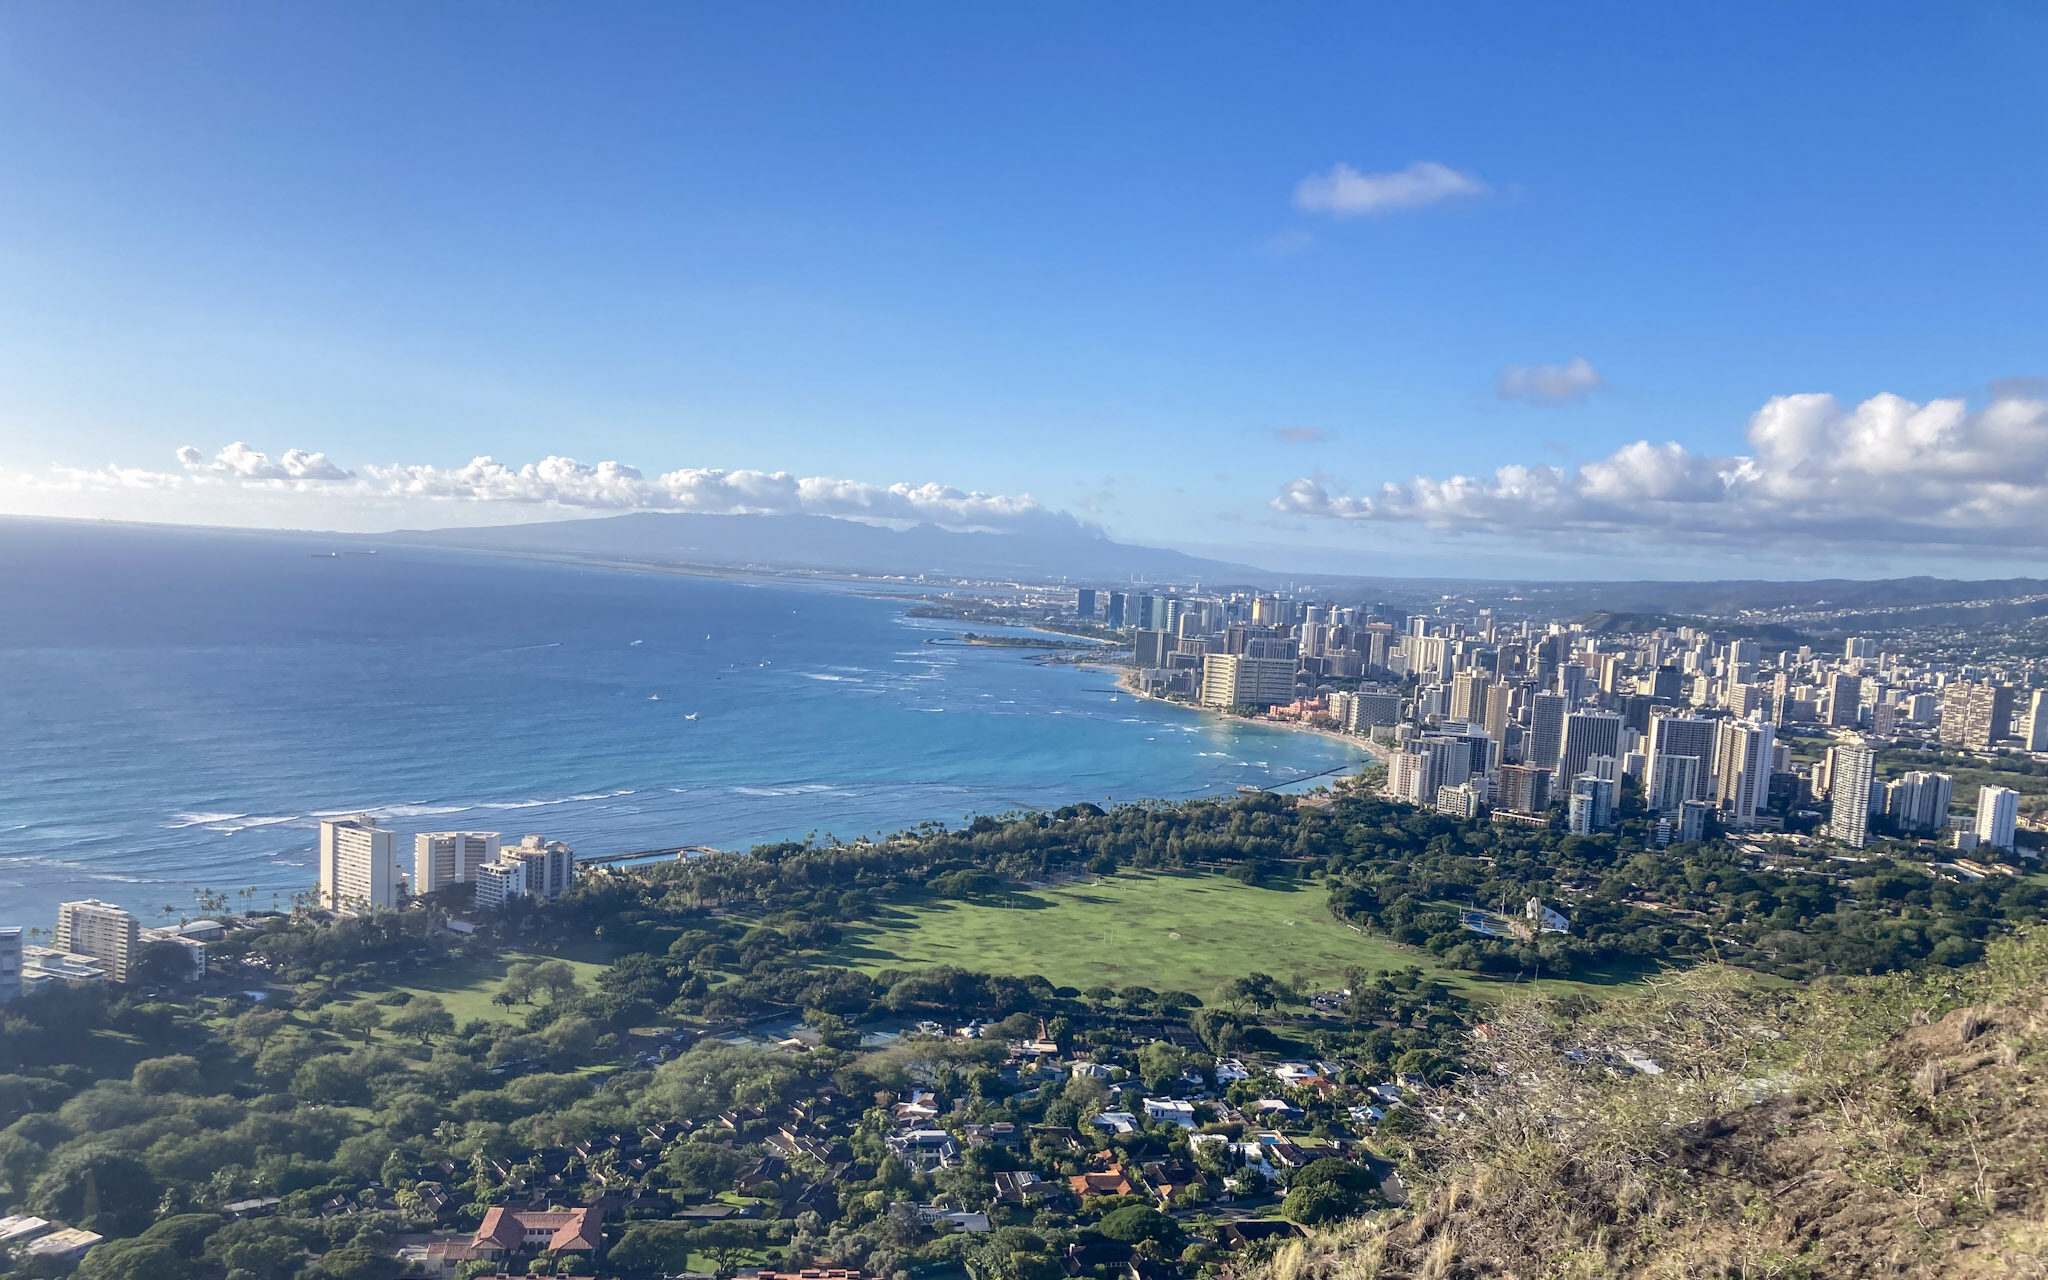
(327, 1090)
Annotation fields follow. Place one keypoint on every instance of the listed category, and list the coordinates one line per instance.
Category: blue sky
(1056, 251)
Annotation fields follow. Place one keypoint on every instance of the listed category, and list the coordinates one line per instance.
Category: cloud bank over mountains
(554, 482)
(1886, 475)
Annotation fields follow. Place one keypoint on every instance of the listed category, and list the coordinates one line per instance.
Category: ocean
(179, 708)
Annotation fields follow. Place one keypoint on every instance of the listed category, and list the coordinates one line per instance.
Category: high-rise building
(1371, 709)
(550, 865)
(1546, 730)
(1234, 680)
(1461, 801)
(100, 930)
(2037, 721)
(1691, 736)
(1116, 611)
(1845, 698)
(358, 865)
(1426, 763)
(1852, 771)
(1859, 647)
(1976, 715)
(1084, 602)
(1667, 683)
(1998, 811)
(1692, 819)
(1499, 707)
(1469, 694)
(443, 858)
(1149, 649)
(1592, 805)
(533, 868)
(1572, 682)
(1923, 801)
(10, 964)
(1742, 768)
(1587, 734)
(1673, 781)
(1522, 788)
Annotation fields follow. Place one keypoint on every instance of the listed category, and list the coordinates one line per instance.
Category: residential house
(1021, 1187)
(1111, 1182)
(1236, 1235)
(1001, 1134)
(925, 1148)
(760, 1177)
(1173, 1111)
(507, 1233)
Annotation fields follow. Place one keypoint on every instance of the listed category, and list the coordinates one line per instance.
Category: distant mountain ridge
(828, 543)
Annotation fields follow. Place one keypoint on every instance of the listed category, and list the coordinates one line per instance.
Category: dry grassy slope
(1887, 1128)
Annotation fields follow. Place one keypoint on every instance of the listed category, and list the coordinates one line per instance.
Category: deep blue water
(178, 707)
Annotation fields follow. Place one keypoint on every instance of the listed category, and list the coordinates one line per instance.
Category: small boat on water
(691, 716)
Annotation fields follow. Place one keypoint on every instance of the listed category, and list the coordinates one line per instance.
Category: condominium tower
(444, 858)
(1850, 778)
(358, 865)
(1998, 811)
(100, 930)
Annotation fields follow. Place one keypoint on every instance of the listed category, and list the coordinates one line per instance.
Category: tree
(557, 978)
(1136, 1222)
(137, 1259)
(1160, 1065)
(700, 1168)
(1328, 1190)
(178, 1073)
(160, 964)
(425, 1017)
(357, 1260)
(726, 1243)
(331, 1079)
(361, 1016)
(84, 1185)
(653, 1247)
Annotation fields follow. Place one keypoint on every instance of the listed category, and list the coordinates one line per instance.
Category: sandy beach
(1126, 678)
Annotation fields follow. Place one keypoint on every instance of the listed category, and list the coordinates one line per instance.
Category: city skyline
(1332, 291)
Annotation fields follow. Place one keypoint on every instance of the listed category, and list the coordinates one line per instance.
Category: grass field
(1167, 932)
(467, 986)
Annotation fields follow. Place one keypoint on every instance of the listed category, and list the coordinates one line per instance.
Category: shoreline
(1126, 682)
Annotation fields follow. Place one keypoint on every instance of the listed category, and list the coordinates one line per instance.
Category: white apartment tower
(358, 865)
(533, 868)
(1742, 780)
(1237, 680)
(1924, 800)
(1674, 739)
(1850, 778)
(100, 930)
(1998, 812)
(444, 858)
(1586, 734)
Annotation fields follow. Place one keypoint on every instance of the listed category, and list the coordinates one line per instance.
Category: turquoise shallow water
(178, 708)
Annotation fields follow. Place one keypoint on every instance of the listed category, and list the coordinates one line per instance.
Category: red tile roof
(571, 1230)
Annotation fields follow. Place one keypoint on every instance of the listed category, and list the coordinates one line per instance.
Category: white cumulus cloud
(313, 480)
(238, 461)
(1549, 384)
(1344, 192)
(1885, 475)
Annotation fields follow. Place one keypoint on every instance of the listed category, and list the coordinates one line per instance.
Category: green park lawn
(1167, 932)
(466, 986)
